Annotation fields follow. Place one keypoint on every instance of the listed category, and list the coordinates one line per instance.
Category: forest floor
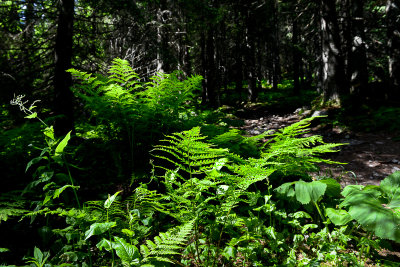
(369, 157)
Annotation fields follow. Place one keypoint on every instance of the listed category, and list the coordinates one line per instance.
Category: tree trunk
(208, 51)
(276, 76)
(250, 59)
(393, 27)
(296, 57)
(62, 80)
(333, 78)
(358, 58)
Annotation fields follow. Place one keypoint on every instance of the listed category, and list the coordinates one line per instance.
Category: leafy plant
(290, 152)
(53, 154)
(136, 112)
(39, 258)
(166, 245)
(376, 208)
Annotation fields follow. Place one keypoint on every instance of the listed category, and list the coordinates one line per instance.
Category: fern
(291, 153)
(122, 73)
(187, 152)
(166, 245)
(239, 144)
(133, 112)
(11, 204)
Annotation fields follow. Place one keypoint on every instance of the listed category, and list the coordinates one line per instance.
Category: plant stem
(72, 183)
(109, 237)
(323, 220)
(220, 236)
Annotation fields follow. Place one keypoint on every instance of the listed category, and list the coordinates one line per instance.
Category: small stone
(320, 113)
(373, 164)
(379, 143)
(395, 161)
(395, 169)
(375, 174)
(347, 136)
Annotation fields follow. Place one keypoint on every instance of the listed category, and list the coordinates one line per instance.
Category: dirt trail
(370, 157)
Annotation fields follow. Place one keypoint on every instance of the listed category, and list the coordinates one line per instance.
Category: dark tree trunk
(209, 85)
(333, 76)
(211, 69)
(358, 57)
(162, 41)
(238, 72)
(296, 57)
(250, 59)
(276, 76)
(393, 26)
(28, 52)
(62, 80)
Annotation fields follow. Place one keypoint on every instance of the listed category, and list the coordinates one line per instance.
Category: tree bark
(358, 57)
(208, 65)
(296, 57)
(393, 28)
(62, 80)
(250, 58)
(333, 78)
(276, 76)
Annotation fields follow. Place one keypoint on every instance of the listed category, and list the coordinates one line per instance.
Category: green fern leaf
(166, 244)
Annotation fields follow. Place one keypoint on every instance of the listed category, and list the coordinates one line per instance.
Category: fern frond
(288, 152)
(188, 152)
(5, 213)
(166, 245)
(122, 73)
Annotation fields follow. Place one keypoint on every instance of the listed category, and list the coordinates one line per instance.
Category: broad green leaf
(317, 190)
(33, 161)
(37, 253)
(125, 251)
(351, 189)
(333, 187)
(377, 218)
(284, 188)
(32, 116)
(369, 206)
(303, 192)
(60, 147)
(58, 191)
(99, 228)
(110, 200)
(49, 132)
(338, 217)
(104, 243)
(391, 186)
(312, 191)
(365, 196)
(4, 250)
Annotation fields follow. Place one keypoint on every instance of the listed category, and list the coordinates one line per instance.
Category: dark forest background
(344, 49)
(115, 77)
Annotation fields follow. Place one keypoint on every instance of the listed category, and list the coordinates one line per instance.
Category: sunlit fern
(188, 152)
(291, 151)
(143, 201)
(166, 245)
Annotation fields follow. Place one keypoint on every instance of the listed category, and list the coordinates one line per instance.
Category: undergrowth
(223, 200)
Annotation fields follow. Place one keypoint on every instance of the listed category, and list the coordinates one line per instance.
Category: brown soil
(370, 157)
